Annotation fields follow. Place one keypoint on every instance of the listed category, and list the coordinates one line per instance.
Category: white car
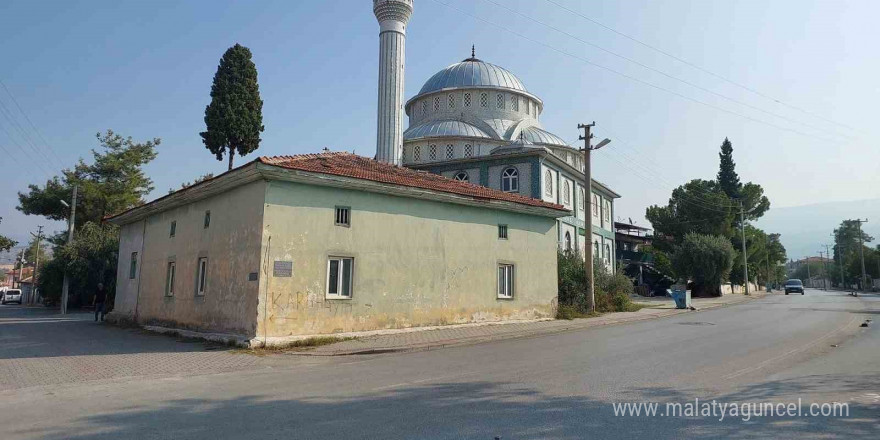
(12, 295)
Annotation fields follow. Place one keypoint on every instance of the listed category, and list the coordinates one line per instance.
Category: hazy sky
(144, 69)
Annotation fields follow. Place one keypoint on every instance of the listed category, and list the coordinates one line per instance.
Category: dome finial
(473, 54)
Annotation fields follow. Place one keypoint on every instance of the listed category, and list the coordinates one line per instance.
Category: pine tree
(727, 177)
(234, 118)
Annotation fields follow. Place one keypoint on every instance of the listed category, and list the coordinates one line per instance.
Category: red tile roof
(359, 167)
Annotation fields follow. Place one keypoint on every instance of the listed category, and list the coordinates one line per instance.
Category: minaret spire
(473, 53)
(393, 15)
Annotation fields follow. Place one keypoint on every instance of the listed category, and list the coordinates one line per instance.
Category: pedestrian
(98, 301)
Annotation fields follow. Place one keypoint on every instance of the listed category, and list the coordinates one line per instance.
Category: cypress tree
(234, 118)
(728, 180)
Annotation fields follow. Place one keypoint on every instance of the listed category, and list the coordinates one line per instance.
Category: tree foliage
(113, 182)
(90, 259)
(5, 242)
(699, 206)
(611, 290)
(234, 118)
(705, 259)
(199, 179)
(727, 179)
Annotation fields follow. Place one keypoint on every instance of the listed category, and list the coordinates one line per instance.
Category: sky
(799, 106)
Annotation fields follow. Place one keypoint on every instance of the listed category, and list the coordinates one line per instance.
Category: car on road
(11, 295)
(794, 286)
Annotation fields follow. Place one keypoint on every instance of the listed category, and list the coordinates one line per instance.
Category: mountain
(805, 229)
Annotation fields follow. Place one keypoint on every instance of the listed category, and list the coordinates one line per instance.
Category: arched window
(500, 101)
(468, 150)
(607, 256)
(450, 151)
(514, 103)
(461, 176)
(436, 103)
(595, 249)
(566, 192)
(484, 100)
(451, 101)
(432, 152)
(567, 241)
(417, 153)
(510, 180)
(581, 200)
(424, 107)
(467, 99)
(595, 205)
(548, 183)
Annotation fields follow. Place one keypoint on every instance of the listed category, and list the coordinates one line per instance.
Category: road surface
(780, 349)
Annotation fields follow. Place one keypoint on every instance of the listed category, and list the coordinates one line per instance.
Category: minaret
(393, 16)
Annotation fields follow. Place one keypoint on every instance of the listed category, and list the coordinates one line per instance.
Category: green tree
(705, 260)
(234, 118)
(90, 259)
(31, 251)
(199, 179)
(728, 180)
(113, 182)
(699, 206)
(5, 242)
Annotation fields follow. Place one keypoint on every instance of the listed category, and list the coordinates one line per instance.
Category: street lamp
(65, 286)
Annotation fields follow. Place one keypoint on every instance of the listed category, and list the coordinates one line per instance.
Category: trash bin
(682, 298)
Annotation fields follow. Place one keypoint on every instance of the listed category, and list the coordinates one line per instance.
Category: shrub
(611, 290)
(706, 260)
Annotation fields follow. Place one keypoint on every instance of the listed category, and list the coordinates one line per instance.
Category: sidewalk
(478, 333)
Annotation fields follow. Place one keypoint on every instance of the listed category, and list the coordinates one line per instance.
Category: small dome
(444, 129)
(473, 73)
(536, 135)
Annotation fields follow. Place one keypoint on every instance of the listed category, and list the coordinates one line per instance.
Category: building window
(567, 241)
(339, 275)
(514, 103)
(607, 256)
(436, 103)
(424, 107)
(207, 222)
(502, 232)
(510, 180)
(417, 153)
(548, 183)
(499, 101)
(467, 99)
(468, 150)
(432, 152)
(461, 176)
(451, 98)
(343, 216)
(173, 228)
(607, 207)
(484, 100)
(450, 151)
(566, 193)
(169, 279)
(581, 199)
(528, 107)
(202, 279)
(133, 266)
(505, 281)
(595, 206)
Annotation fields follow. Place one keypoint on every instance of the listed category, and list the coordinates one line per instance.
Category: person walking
(98, 301)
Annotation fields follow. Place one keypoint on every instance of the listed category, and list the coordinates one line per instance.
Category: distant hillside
(806, 228)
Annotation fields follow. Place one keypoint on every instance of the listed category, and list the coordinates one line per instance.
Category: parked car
(795, 286)
(11, 295)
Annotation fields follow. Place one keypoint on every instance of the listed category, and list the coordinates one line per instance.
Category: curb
(577, 324)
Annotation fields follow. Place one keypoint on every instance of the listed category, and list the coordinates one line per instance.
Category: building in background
(476, 122)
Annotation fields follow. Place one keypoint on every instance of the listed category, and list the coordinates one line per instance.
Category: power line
(34, 127)
(683, 61)
(746, 117)
(30, 157)
(631, 60)
(13, 122)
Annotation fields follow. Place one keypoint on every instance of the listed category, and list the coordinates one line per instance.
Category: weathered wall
(416, 262)
(232, 245)
(131, 239)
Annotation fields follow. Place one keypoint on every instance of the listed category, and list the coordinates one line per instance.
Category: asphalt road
(778, 349)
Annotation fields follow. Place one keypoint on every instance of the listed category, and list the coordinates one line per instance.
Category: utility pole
(824, 272)
(35, 289)
(20, 269)
(742, 228)
(862, 254)
(809, 277)
(588, 211)
(65, 285)
(839, 257)
(828, 256)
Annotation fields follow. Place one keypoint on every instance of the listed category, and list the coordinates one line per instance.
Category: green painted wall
(416, 262)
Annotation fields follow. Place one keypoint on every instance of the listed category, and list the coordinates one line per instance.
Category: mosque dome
(473, 72)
